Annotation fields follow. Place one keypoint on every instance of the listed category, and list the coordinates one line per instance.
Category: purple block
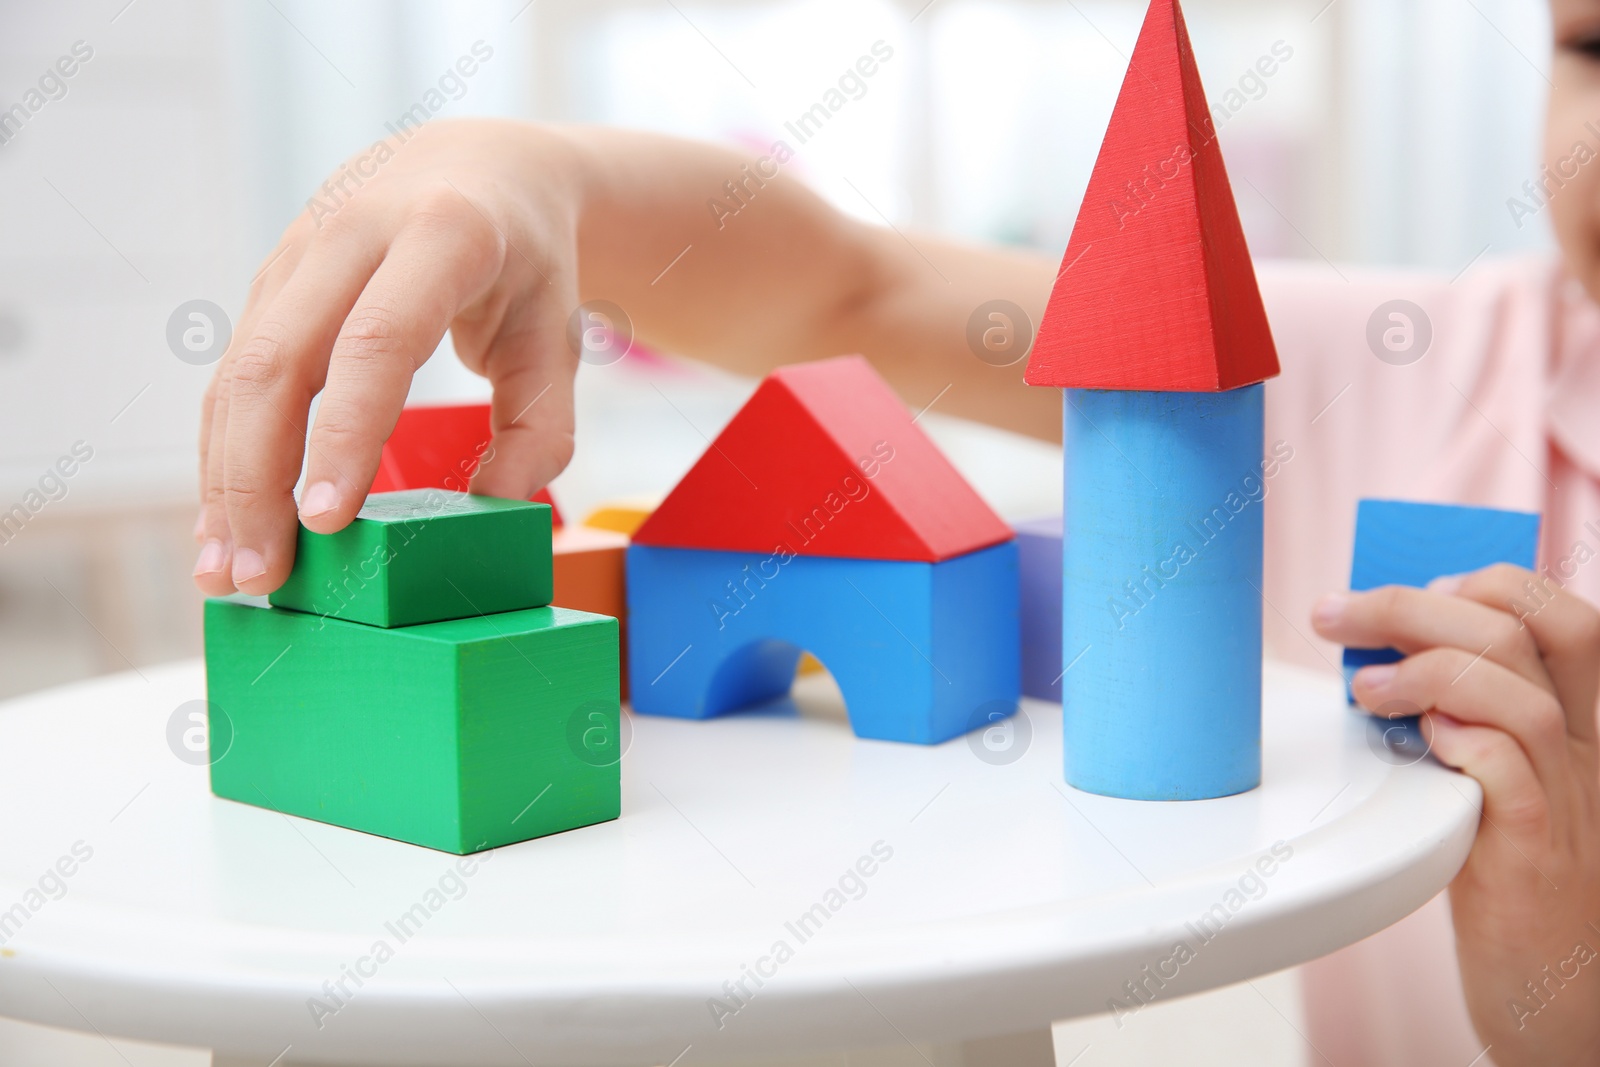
(1041, 561)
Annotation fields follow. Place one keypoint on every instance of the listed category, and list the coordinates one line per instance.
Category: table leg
(1037, 1049)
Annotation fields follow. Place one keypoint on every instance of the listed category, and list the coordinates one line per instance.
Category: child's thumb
(531, 416)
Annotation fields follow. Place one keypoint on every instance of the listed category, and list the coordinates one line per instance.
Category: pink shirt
(1503, 410)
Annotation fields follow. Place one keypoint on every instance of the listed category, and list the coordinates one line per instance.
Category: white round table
(862, 893)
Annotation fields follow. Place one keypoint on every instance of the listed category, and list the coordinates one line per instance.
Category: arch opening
(773, 676)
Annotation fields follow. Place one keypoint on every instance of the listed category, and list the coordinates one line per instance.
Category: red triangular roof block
(437, 446)
(1156, 290)
(824, 460)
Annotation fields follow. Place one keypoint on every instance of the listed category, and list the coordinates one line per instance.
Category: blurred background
(191, 132)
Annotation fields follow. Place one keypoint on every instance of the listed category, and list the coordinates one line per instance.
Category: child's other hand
(1513, 704)
(446, 233)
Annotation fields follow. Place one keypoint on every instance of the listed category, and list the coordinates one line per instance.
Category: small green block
(424, 555)
(458, 735)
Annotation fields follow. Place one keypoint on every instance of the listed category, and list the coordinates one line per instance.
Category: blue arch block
(1162, 604)
(923, 652)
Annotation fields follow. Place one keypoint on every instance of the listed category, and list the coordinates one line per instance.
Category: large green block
(422, 555)
(458, 735)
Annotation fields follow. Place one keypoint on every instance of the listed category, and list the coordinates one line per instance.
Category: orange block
(624, 514)
(589, 567)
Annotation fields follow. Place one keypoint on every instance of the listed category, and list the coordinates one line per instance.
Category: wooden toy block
(439, 446)
(922, 652)
(1156, 334)
(1403, 543)
(1161, 592)
(825, 460)
(590, 568)
(624, 515)
(459, 735)
(422, 555)
(1156, 290)
(1039, 561)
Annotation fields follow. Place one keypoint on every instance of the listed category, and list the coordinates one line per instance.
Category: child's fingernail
(319, 500)
(247, 564)
(1448, 584)
(1375, 679)
(1330, 609)
(212, 559)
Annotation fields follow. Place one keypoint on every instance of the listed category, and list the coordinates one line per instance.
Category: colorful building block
(422, 555)
(1403, 543)
(459, 735)
(590, 575)
(624, 515)
(823, 520)
(1156, 334)
(825, 458)
(922, 652)
(1156, 290)
(439, 446)
(1039, 562)
(1162, 608)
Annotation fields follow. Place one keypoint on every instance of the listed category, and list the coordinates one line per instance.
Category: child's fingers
(1565, 628)
(279, 368)
(531, 369)
(1513, 800)
(208, 400)
(1479, 693)
(1412, 620)
(430, 272)
(213, 571)
(213, 567)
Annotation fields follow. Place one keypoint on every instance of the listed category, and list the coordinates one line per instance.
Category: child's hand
(1513, 704)
(446, 233)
